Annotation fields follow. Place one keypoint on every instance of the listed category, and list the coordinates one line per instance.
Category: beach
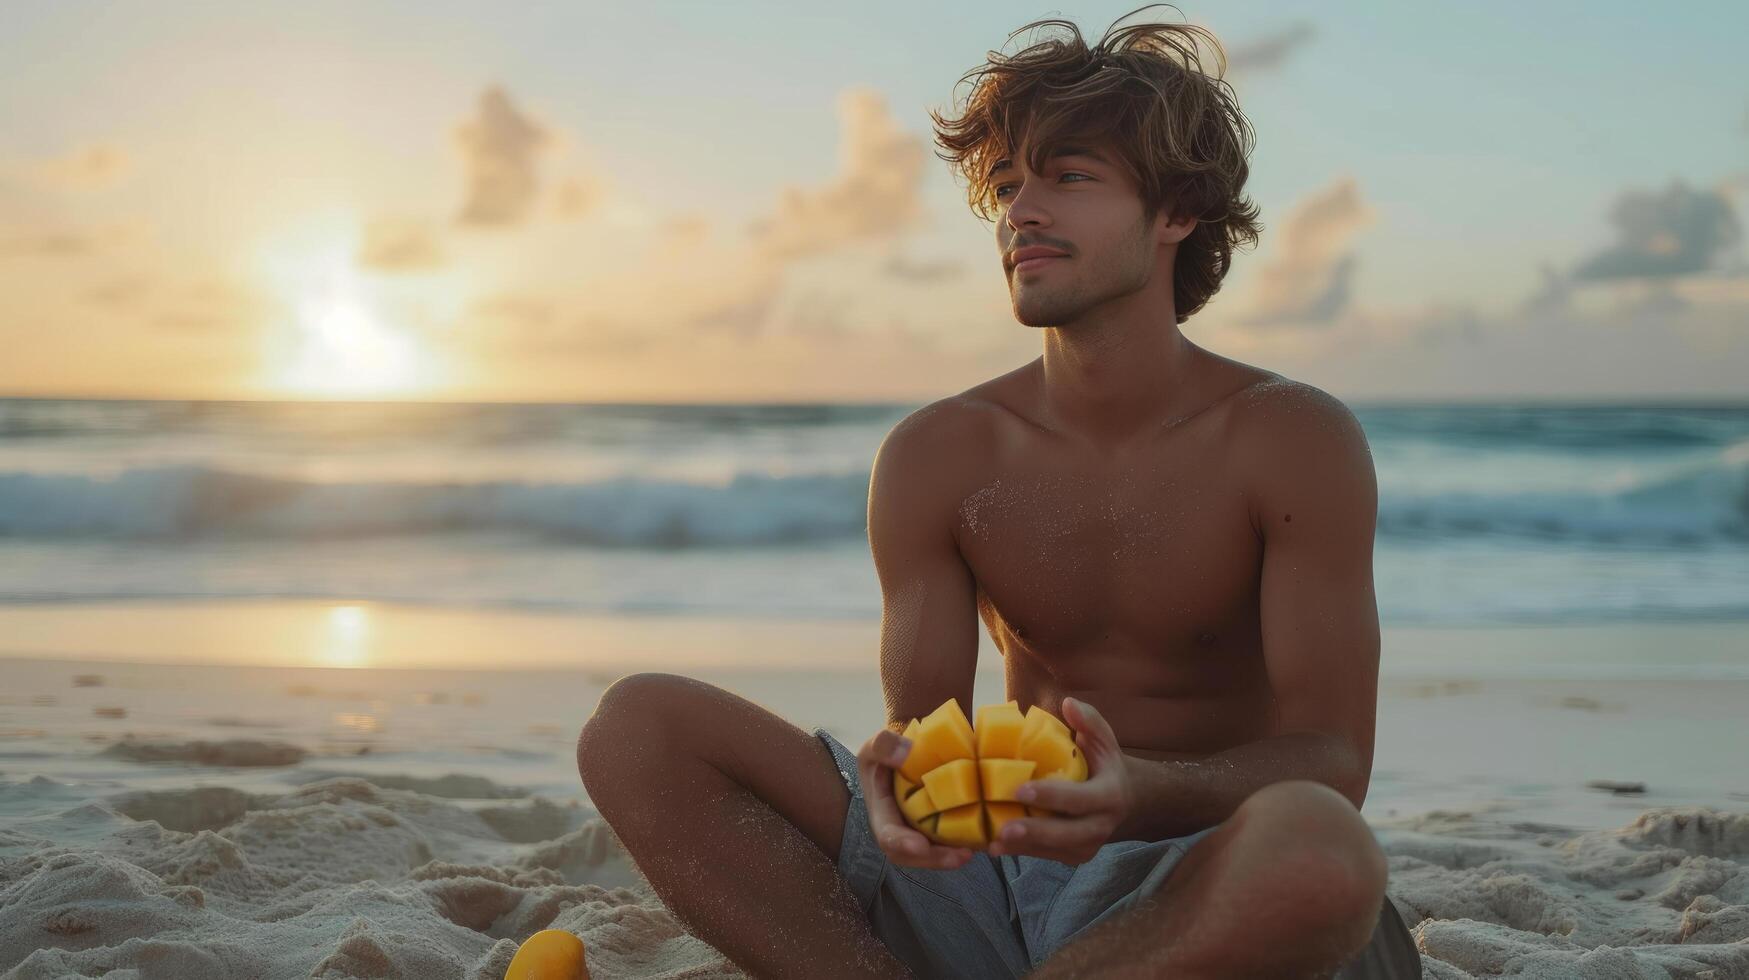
(291, 689)
(382, 385)
(407, 817)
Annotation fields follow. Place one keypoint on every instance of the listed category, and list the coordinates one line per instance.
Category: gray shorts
(1001, 916)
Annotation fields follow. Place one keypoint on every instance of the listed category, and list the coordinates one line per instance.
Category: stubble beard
(1045, 303)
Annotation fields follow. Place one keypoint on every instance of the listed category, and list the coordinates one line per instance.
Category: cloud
(119, 294)
(179, 306)
(926, 270)
(1309, 280)
(183, 321)
(827, 323)
(207, 305)
(515, 307)
(526, 325)
(876, 194)
(690, 289)
(400, 245)
(88, 168)
(1269, 52)
(742, 315)
(689, 228)
(1553, 295)
(1735, 187)
(576, 196)
(1658, 299)
(1641, 338)
(1677, 232)
(1651, 229)
(1627, 350)
(38, 242)
(499, 146)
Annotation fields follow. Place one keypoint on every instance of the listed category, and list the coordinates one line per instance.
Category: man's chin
(1038, 315)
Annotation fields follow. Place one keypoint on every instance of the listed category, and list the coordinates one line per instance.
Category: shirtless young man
(1172, 550)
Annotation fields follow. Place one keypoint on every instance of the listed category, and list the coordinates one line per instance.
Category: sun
(344, 349)
(343, 332)
(347, 640)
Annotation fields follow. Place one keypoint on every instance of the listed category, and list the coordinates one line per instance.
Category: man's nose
(1023, 210)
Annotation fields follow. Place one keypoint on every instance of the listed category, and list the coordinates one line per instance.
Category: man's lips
(1036, 262)
(1033, 256)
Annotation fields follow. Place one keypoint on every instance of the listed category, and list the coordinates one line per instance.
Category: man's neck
(1114, 380)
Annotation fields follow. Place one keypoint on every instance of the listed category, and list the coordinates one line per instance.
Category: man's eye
(1002, 187)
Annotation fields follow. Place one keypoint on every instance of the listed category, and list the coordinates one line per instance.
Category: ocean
(1488, 513)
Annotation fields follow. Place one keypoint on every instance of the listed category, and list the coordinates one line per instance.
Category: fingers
(1050, 836)
(904, 844)
(885, 748)
(1092, 732)
(1066, 796)
(884, 752)
(907, 847)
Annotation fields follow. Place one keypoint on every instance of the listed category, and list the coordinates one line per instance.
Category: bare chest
(1147, 567)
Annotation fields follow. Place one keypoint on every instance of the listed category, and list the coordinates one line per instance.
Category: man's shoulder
(939, 453)
(927, 460)
(938, 428)
(1276, 414)
(1299, 443)
(960, 425)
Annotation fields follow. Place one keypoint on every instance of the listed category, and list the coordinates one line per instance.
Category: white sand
(418, 823)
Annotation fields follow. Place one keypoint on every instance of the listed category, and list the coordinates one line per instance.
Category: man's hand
(1092, 810)
(901, 843)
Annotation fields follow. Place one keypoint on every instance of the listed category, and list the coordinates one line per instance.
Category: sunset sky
(704, 201)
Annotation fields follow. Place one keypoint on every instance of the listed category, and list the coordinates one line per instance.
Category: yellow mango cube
(999, 778)
(914, 800)
(962, 826)
(999, 728)
(953, 784)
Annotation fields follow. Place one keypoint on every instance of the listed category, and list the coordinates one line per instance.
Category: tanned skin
(1179, 542)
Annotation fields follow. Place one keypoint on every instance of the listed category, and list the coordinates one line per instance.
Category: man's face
(1085, 209)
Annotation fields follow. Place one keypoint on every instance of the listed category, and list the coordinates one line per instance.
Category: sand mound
(1660, 897)
(538, 820)
(338, 878)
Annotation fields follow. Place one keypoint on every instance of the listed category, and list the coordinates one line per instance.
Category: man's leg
(1288, 887)
(735, 817)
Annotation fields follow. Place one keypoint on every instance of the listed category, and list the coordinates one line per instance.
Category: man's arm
(1315, 506)
(929, 621)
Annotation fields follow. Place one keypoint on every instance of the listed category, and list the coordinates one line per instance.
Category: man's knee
(1315, 835)
(628, 720)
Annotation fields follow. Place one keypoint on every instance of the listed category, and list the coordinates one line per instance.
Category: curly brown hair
(1142, 91)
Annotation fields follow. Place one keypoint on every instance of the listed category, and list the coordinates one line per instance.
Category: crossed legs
(735, 816)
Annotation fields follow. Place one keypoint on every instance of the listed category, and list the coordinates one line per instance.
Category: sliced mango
(957, 783)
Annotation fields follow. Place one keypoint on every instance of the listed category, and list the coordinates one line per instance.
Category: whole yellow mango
(551, 954)
(957, 783)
